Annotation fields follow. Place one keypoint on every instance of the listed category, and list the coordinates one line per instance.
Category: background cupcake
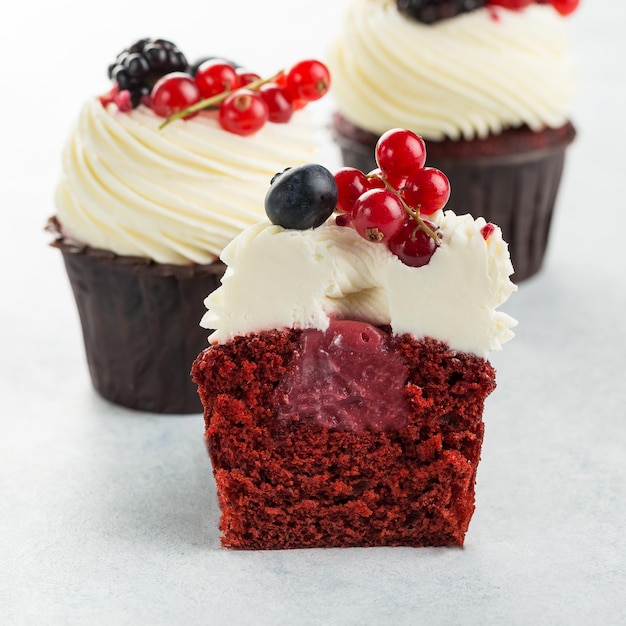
(143, 209)
(488, 84)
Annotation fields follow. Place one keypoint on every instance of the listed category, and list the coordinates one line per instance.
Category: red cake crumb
(293, 483)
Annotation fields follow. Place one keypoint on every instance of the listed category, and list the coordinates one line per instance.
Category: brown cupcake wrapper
(515, 190)
(140, 323)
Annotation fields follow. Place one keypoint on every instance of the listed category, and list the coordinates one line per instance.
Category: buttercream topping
(176, 195)
(278, 278)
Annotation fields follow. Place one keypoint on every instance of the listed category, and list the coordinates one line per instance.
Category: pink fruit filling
(346, 378)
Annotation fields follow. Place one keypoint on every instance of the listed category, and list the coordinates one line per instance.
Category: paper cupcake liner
(517, 190)
(140, 323)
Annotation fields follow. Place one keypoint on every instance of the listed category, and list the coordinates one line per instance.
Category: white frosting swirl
(176, 195)
(279, 278)
(468, 76)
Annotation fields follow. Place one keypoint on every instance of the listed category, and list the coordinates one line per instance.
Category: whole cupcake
(158, 175)
(489, 85)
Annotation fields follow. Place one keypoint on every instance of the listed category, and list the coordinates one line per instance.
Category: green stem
(410, 211)
(218, 99)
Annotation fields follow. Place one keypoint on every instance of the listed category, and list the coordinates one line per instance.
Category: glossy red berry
(216, 76)
(397, 182)
(278, 103)
(243, 112)
(375, 179)
(351, 183)
(565, 7)
(307, 80)
(378, 215)
(281, 81)
(173, 93)
(246, 76)
(412, 245)
(427, 190)
(400, 152)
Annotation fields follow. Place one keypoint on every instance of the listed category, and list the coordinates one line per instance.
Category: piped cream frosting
(174, 195)
(278, 278)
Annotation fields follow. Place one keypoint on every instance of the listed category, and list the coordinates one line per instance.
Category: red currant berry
(427, 189)
(246, 77)
(308, 80)
(400, 152)
(565, 7)
(378, 215)
(243, 112)
(412, 245)
(351, 183)
(216, 76)
(397, 182)
(278, 104)
(514, 5)
(375, 179)
(173, 93)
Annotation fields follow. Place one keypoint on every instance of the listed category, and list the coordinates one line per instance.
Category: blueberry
(301, 197)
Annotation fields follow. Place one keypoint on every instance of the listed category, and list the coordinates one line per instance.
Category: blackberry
(431, 11)
(139, 66)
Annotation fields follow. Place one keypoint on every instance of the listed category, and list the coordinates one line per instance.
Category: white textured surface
(109, 517)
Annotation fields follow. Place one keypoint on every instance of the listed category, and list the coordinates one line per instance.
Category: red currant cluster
(245, 101)
(564, 7)
(386, 205)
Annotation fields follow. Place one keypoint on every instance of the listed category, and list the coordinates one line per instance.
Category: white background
(109, 516)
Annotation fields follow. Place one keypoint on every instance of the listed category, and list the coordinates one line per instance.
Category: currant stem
(410, 211)
(218, 99)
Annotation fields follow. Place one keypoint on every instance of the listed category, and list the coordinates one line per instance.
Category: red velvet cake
(344, 388)
(286, 481)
